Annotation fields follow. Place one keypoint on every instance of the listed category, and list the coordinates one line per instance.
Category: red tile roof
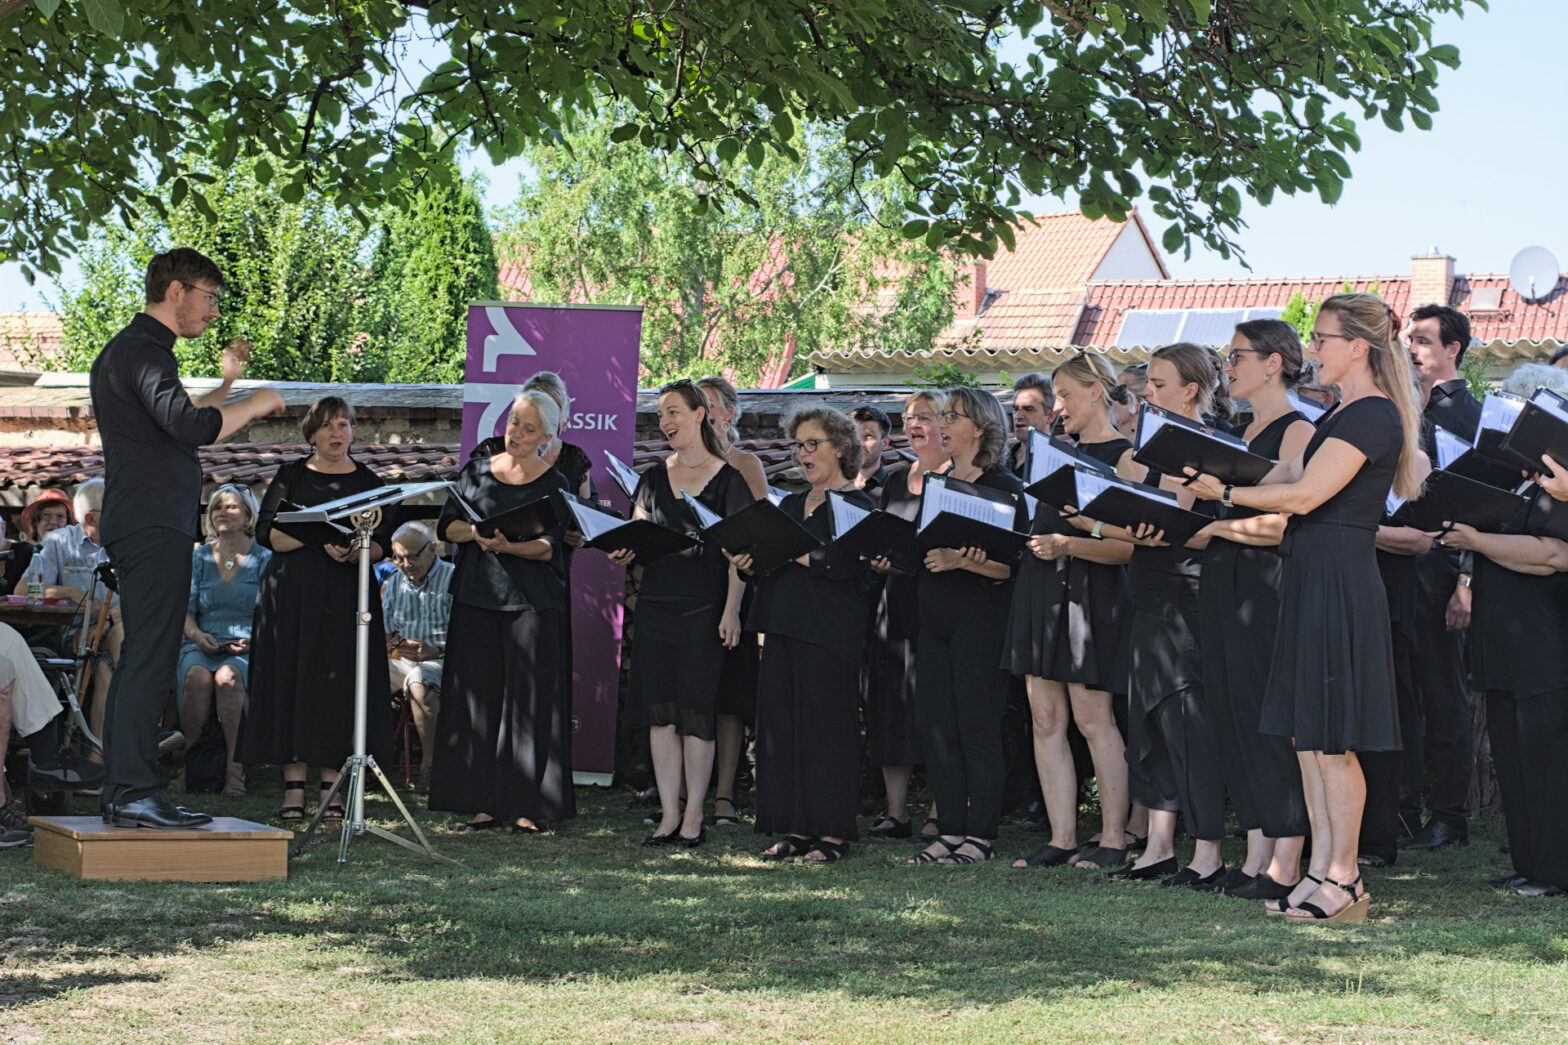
(26, 337)
(1058, 252)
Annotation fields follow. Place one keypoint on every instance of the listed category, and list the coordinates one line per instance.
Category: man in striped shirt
(415, 604)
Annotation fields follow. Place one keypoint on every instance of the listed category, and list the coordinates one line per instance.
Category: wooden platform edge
(227, 850)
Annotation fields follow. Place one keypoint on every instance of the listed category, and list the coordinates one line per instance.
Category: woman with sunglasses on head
(737, 702)
(1172, 751)
(813, 612)
(892, 741)
(505, 722)
(688, 612)
(961, 688)
(1067, 634)
(1331, 681)
(1238, 610)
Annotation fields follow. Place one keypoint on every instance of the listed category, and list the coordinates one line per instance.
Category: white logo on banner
(497, 400)
(506, 341)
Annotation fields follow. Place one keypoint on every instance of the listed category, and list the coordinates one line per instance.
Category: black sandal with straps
(983, 850)
(1354, 911)
(290, 810)
(926, 856)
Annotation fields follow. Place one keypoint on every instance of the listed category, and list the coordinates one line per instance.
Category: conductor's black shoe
(155, 810)
(1436, 834)
(72, 774)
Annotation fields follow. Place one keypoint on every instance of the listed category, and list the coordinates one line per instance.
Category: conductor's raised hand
(267, 401)
(1203, 487)
(236, 354)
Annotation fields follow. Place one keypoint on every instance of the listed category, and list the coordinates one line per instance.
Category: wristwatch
(1225, 497)
(1099, 525)
(1464, 580)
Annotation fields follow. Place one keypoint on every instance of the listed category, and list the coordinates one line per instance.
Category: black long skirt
(677, 665)
(1331, 683)
(299, 706)
(504, 731)
(892, 738)
(1238, 612)
(1173, 759)
(808, 751)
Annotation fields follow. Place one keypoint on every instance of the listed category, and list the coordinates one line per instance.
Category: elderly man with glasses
(416, 603)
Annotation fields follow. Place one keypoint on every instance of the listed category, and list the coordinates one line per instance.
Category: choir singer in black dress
(960, 685)
(1172, 745)
(1068, 632)
(1331, 681)
(1238, 607)
(299, 711)
(813, 614)
(688, 612)
(505, 726)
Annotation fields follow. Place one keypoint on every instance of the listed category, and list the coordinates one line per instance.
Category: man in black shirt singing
(1437, 737)
(150, 430)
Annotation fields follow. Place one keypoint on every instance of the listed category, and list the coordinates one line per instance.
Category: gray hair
(549, 412)
(413, 529)
(246, 499)
(89, 496)
(549, 382)
(1527, 377)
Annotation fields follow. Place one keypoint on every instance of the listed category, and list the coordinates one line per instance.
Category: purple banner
(594, 349)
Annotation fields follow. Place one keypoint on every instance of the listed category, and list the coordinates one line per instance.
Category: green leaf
(1421, 118)
(783, 125)
(934, 236)
(624, 133)
(47, 8)
(1329, 186)
(914, 228)
(106, 16)
(1173, 239)
(1201, 10)
(1448, 54)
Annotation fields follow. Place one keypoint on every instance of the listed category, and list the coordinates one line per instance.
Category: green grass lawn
(583, 935)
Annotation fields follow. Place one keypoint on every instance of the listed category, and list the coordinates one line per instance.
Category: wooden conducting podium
(226, 850)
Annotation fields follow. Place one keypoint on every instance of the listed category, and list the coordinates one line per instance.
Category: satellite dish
(1533, 273)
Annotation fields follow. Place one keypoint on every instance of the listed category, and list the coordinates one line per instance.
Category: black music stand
(363, 512)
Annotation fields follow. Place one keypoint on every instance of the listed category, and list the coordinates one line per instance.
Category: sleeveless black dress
(1238, 610)
(1173, 754)
(1069, 617)
(677, 656)
(1331, 682)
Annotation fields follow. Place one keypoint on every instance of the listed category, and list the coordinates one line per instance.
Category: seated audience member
(215, 656)
(51, 511)
(416, 604)
(13, 579)
(64, 564)
(27, 701)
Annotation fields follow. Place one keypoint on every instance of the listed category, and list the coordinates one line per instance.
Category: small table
(23, 615)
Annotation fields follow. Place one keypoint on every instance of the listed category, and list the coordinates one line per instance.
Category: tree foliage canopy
(1195, 102)
(803, 266)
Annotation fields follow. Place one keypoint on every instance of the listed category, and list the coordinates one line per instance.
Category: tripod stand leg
(305, 842)
(423, 845)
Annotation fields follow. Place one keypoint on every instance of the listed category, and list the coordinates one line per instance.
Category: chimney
(979, 284)
(1431, 278)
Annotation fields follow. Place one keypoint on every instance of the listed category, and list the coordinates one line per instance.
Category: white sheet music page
(706, 517)
(1089, 486)
(937, 498)
(1552, 404)
(1044, 458)
(591, 522)
(1498, 413)
(1149, 422)
(1449, 447)
(845, 515)
(623, 474)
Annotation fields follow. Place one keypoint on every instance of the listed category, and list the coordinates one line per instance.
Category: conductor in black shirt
(150, 430)
(1437, 733)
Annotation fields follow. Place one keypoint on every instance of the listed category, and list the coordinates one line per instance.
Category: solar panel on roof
(1150, 328)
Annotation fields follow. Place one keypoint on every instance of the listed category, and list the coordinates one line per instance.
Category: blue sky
(1487, 180)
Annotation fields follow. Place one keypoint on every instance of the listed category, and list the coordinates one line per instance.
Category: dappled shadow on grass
(587, 902)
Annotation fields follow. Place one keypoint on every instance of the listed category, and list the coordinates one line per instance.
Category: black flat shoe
(888, 827)
(1261, 888)
(689, 843)
(655, 841)
(1209, 882)
(1050, 856)
(479, 825)
(721, 820)
(1234, 879)
(1149, 873)
(521, 829)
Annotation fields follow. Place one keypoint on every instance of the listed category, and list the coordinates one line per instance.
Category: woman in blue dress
(215, 656)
